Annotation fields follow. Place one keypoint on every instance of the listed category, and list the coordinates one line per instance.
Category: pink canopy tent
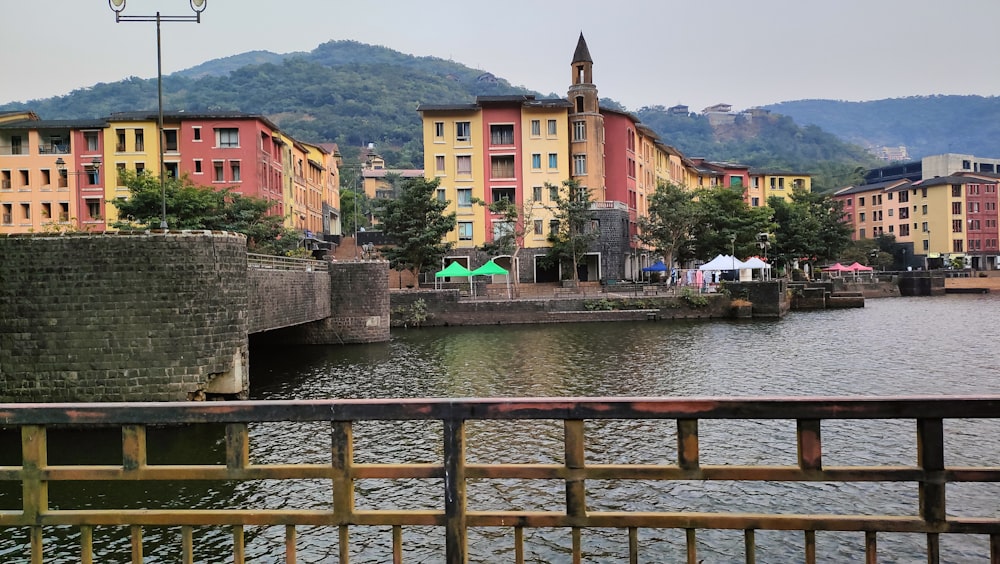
(837, 268)
(858, 267)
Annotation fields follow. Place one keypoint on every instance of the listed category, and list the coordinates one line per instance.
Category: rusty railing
(803, 418)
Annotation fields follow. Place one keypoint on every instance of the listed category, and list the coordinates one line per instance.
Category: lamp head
(60, 164)
(117, 6)
(96, 163)
(197, 5)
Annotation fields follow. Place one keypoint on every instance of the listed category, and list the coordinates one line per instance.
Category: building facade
(59, 175)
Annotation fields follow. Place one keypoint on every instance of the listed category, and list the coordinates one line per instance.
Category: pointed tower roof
(582, 53)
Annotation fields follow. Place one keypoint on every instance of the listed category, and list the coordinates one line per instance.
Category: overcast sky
(646, 52)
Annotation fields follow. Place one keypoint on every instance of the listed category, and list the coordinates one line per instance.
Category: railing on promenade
(275, 262)
(929, 473)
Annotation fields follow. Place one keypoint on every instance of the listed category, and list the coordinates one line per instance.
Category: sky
(646, 52)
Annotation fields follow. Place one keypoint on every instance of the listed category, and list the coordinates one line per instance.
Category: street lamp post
(197, 6)
(732, 240)
(95, 165)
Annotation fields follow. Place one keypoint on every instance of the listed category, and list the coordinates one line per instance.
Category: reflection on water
(899, 346)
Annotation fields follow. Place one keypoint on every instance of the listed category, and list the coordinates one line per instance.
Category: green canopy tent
(493, 269)
(454, 270)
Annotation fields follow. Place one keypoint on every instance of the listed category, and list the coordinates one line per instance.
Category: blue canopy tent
(657, 266)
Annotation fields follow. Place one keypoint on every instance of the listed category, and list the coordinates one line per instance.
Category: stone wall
(123, 317)
(359, 300)
(282, 298)
(445, 309)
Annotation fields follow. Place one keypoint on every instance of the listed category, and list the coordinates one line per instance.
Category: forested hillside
(353, 94)
(926, 125)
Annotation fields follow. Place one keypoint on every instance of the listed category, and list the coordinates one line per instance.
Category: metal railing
(274, 262)
(804, 417)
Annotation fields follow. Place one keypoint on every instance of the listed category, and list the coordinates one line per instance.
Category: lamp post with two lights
(197, 6)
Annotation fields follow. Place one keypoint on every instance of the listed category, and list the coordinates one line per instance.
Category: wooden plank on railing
(133, 447)
(86, 544)
(871, 548)
(237, 446)
(687, 444)
(135, 539)
(574, 447)
(290, 544)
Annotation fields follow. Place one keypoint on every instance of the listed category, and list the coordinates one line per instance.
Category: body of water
(896, 346)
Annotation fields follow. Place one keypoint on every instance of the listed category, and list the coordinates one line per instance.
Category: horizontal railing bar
(597, 519)
(155, 413)
(512, 471)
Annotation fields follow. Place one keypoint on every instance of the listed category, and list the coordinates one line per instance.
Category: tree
(574, 234)
(509, 237)
(355, 210)
(673, 214)
(726, 224)
(417, 224)
(810, 225)
(190, 206)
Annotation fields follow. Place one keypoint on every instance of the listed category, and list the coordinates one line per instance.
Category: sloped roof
(582, 53)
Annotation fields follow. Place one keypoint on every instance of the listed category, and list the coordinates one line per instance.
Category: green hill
(353, 94)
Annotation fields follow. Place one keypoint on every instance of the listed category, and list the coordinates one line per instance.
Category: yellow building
(767, 183)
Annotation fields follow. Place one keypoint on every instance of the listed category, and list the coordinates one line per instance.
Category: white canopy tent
(756, 263)
(723, 262)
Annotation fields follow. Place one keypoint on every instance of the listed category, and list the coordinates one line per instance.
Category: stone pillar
(359, 309)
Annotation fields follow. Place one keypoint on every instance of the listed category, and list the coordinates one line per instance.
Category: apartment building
(57, 175)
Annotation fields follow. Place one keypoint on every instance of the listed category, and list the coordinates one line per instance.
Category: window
(923, 192)
(904, 230)
(227, 137)
(503, 194)
(441, 195)
(553, 161)
(8, 214)
(502, 166)
(94, 209)
(120, 140)
(861, 233)
(956, 208)
(140, 169)
(462, 131)
(755, 202)
(923, 227)
(553, 128)
(553, 226)
(904, 197)
(140, 140)
(536, 194)
(196, 133)
(439, 164)
(438, 130)
(861, 201)
(219, 171)
(502, 134)
(579, 165)
(536, 161)
(926, 244)
(465, 197)
(735, 181)
(956, 190)
(579, 131)
(463, 164)
(234, 169)
(553, 193)
(538, 227)
(536, 128)
(956, 226)
(904, 213)
(91, 138)
(956, 246)
(923, 209)
(502, 229)
(861, 217)
(890, 212)
(197, 166)
(464, 230)
(170, 140)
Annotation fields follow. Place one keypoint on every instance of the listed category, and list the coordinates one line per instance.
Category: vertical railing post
(576, 487)
(687, 444)
(930, 458)
(35, 491)
(342, 456)
(237, 446)
(810, 444)
(456, 540)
